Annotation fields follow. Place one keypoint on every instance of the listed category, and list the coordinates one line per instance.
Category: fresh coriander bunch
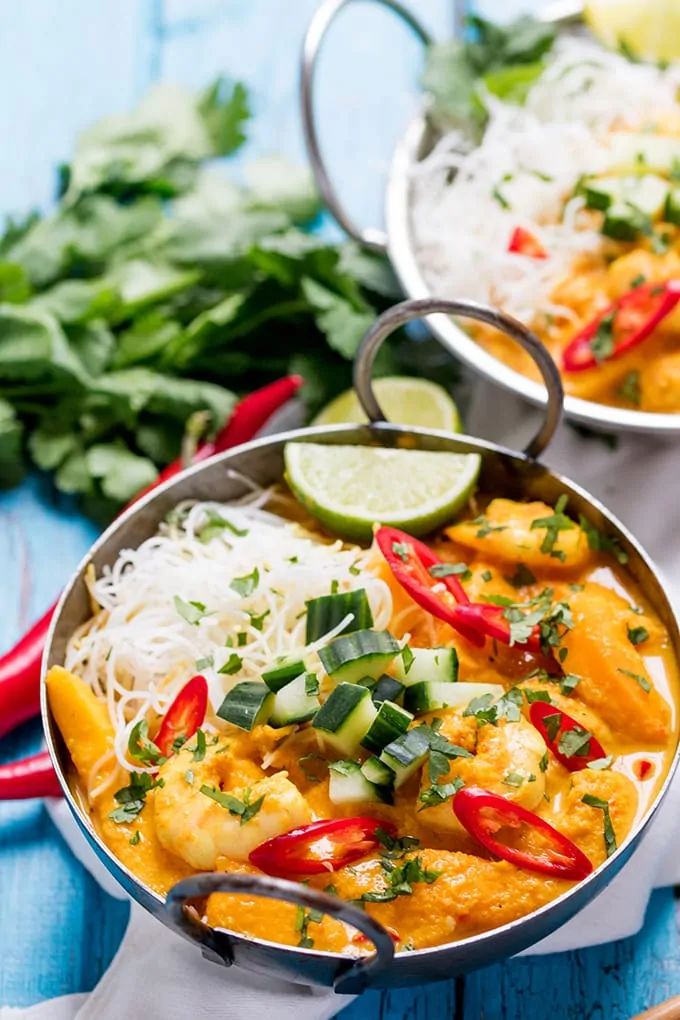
(158, 289)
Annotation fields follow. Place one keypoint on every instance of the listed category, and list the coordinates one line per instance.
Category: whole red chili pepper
(184, 716)
(20, 676)
(412, 563)
(568, 741)
(20, 666)
(622, 326)
(483, 814)
(30, 777)
(320, 847)
(524, 243)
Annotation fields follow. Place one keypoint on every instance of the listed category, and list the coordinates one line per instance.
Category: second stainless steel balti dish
(503, 473)
(398, 241)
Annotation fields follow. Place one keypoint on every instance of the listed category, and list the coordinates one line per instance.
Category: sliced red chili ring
(524, 243)
(185, 715)
(483, 814)
(410, 561)
(627, 321)
(554, 725)
(326, 845)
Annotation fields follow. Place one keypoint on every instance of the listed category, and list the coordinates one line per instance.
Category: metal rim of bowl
(398, 243)
(361, 973)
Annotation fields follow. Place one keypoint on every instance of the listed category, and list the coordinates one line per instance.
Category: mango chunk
(614, 680)
(505, 533)
(82, 719)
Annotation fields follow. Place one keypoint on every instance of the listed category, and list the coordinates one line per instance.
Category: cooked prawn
(506, 761)
(193, 825)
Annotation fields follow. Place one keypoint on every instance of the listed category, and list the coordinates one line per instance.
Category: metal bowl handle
(406, 311)
(354, 979)
(371, 238)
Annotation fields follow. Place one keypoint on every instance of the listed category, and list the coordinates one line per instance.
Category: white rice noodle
(140, 651)
(533, 158)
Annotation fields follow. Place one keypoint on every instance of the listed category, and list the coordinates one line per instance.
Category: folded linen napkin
(155, 973)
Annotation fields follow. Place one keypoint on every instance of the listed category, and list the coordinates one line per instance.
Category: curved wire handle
(371, 238)
(406, 311)
(352, 981)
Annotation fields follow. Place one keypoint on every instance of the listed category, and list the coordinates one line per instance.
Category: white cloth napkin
(157, 975)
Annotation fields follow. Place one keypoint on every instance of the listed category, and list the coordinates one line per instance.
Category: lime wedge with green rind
(404, 400)
(351, 488)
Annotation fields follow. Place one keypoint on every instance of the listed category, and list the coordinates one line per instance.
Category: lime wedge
(651, 29)
(351, 488)
(405, 401)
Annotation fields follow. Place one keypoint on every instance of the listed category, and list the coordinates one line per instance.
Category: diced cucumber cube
(378, 772)
(349, 785)
(346, 717)
(386, 688)
(247, 705)
(284, 669)
(364, 653)
(296, 702)
(623, 222)
(642, 152)
(427, 664)
(390, 722)
(672, 211)
(327, 611)
(406, 754)
(428, 696)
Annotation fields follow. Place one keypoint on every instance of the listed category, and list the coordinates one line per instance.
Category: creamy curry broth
(460, 889)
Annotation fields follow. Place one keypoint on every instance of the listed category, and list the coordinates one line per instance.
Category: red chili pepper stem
(30, 777)
(661, 299)
(563, 859)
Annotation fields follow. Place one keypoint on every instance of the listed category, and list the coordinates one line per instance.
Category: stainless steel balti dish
(398, 240)
(504, 473)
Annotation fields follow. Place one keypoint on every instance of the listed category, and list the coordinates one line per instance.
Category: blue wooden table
(63, 65)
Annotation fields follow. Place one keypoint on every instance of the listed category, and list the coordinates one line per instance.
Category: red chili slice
(185, 715)
(410, 561)
(631, 319)
(489, 620)
(552, 723)
(484, 813)
(524, 243)
(321, 846)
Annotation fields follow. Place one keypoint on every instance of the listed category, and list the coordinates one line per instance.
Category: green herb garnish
(246, 585)
(608, 828)
(636, 635)
(243, 809)
(641, 680)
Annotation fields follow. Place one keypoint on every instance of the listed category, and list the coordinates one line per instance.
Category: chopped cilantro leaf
(232, 665)
(568, 682)
(136, 838)
(402, 550)
(486, 575)
(312, 756)
(544, 762)
(636, 635)
(450, 569)
(246, 585)
(602, 344)
(602, 543)
(207, 663)
(574, 742)
(522, 577)
(532, 695)
(630, 388)
(215, 525)
(257, 619)
(438, 793)
(552, 724)
(557, 522)
(192, 612)
(141, 748)
(514, 779)
(407, 658)
(644, 683)
(244, 809)
(311, 684)
(485, 528)
(608, 828)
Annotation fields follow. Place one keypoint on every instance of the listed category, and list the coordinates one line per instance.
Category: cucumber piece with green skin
(430, 695)
(378, 772)
(386, 688)
(346, 717)
(642, 152)
(348, 785)
(390, 722)
(648, 193)
(247, 705)
(440, 664)
(364, 653)
(327, 611)
(406, 754)
(623, 222)
(672, 210)
(284, 669)
(297, 702)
